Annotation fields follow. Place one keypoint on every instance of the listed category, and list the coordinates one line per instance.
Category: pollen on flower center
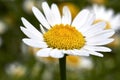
(108, 26)
(64, 37)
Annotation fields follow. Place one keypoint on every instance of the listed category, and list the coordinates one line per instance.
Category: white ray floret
(66, 18)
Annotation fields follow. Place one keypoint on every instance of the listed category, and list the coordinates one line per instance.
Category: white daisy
(15, 69)
(107, 15)
(64, 36)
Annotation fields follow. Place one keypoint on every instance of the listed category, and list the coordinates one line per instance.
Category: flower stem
(62, 64)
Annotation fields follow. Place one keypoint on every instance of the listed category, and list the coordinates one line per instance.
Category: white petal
(91, 18)
(30, 27)
(40, 17)
(97, 48)
(34, 43)
(96, 54)
(66, 18)
(30, 34)
(89, 21)
(80, 19)
(99, 41)
(99, 38)
(94, 28)
(56, 53)
(48, 13)
(42, 29)
(56, 14)
(80, 52)
(106, 33)
(44, 52)
(67, 51)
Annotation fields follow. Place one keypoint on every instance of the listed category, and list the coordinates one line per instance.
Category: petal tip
(34, 9)
(100, 55)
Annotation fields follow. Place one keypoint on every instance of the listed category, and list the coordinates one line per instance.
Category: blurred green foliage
(11, 11)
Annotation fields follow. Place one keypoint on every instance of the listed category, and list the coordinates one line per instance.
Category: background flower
(3, 28)
(15, 69)
(107, 15)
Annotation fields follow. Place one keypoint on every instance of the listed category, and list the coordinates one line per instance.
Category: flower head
(60, 35)
(107, 15)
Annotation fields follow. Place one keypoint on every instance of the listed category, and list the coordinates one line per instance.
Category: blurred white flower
(77, 62)
(86, 63)
(15, 69)
(27, 5)
(2, 30)
(2, 27)
(107, 15)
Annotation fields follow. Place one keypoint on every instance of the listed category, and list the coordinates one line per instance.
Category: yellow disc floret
(64, 37)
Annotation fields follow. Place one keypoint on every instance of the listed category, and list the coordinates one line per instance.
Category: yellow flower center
(64, 37)
(108, 26)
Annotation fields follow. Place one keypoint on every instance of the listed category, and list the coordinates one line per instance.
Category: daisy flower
(106, 15)
(59, 35)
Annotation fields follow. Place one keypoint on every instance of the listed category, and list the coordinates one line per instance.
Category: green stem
(62, 63)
